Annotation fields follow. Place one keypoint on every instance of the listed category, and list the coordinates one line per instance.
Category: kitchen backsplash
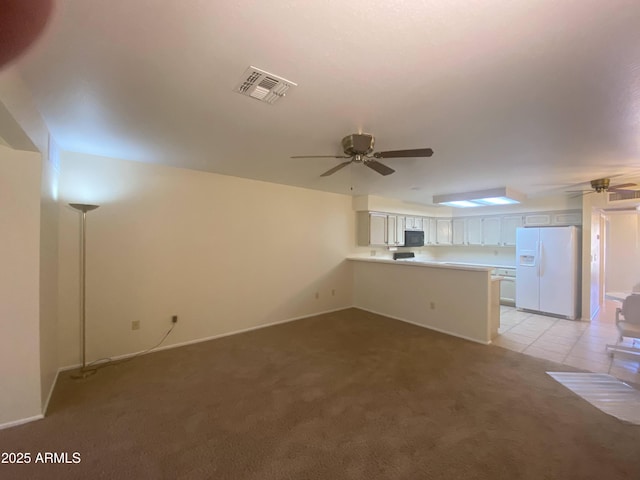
(498, 256)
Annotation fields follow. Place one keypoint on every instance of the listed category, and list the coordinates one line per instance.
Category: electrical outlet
(174, 319)
(135, 325)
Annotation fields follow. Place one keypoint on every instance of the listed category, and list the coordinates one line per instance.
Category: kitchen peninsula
(459, 300)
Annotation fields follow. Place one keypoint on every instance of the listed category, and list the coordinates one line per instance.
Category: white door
(558, 266)
(527, 279)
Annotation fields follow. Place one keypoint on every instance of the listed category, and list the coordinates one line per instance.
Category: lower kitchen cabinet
(507, 285)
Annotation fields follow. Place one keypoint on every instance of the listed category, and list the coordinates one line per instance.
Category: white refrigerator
(547, 268)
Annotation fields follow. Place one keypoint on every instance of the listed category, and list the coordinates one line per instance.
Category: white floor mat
(604, 392)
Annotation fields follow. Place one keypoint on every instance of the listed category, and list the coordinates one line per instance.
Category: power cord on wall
(108, 361)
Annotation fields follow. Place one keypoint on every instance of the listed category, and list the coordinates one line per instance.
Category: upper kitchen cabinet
(491, 227)
(414, 223)
(474, 230)
(430, 231)
(458, 236)
(509, 226)
(567, 218)
(372, 229)
(395, 230)
(537, 219)
(443, 231)
(561, 218)
(380, 229)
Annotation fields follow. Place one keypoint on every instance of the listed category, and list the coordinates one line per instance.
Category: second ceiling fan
(358, 148)
(604, 185)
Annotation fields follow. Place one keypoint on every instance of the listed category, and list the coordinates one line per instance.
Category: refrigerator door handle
(540, 259)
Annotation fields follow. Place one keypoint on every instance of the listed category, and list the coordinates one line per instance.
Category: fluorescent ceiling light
(460, 204)
(480, 198)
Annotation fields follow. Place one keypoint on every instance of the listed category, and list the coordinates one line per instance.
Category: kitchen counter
(457, 299)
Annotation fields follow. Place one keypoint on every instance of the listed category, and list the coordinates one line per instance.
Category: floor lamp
(84, 208)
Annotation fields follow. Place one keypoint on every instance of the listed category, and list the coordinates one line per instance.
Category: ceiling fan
(358, 148)
(603, 185)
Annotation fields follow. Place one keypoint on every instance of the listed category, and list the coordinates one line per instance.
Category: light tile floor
(575, 343)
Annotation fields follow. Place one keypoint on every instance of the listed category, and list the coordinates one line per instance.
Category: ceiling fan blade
(379, 167)
(335, 169)
(623, 186)
(319, 156)
(417, 152)
(580, 193)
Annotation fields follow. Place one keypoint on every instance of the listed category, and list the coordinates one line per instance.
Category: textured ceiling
(527, 94)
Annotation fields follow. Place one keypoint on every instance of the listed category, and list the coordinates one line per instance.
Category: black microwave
(413, 238)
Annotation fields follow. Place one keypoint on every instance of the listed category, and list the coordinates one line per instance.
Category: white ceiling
(507, 93)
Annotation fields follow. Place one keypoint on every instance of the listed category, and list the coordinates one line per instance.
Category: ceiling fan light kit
(480, 198)
(358, 147)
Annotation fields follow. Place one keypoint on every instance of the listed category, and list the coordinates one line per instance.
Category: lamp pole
(84, 208)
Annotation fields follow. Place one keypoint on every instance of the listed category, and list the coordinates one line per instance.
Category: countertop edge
(472, 268)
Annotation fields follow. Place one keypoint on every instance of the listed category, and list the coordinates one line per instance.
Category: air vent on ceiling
(263, 86)
(628, 195)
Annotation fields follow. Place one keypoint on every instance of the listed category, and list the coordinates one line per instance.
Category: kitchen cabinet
(380, 229)
(458, 231)
(377, 230)
(491, 231)
(387, 229)
(537, 219)
(507, 285)
(509, 226)
(443, 231)
(567, 218)
(430, 231)
(474, 230)
(395, 230)
(414, 223)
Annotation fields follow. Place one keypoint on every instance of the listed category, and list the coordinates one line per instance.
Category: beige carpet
(348, 395)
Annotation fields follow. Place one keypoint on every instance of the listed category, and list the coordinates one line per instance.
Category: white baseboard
(15, 423)
(212, 337)
(439, 330)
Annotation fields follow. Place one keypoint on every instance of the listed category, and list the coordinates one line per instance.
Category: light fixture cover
(480, 198)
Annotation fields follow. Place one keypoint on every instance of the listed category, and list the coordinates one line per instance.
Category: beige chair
(628, 323)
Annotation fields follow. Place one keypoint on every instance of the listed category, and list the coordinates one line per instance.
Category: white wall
(223, 253)
(19, 285)
(49, 272)
(622, 263)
